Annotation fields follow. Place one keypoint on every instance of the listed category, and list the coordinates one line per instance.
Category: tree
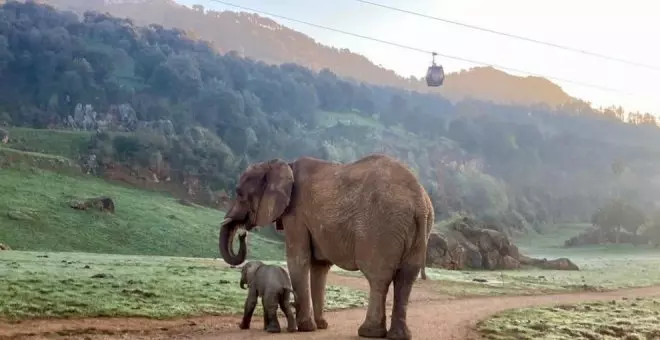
(616, 215)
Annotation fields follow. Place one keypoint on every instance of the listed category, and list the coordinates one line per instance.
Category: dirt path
(431, 316)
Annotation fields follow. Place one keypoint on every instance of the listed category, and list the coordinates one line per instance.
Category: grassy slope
(34, 215)
(623, 319)
(52, 142)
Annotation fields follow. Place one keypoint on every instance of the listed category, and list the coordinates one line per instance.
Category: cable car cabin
(435, 76)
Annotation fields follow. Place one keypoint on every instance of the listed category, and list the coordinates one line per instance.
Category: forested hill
(264, 39)
(169, 109)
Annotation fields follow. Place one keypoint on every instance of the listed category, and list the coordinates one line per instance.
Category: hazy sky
(624, 29)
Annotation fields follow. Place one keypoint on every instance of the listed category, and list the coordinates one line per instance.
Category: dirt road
(431, 316)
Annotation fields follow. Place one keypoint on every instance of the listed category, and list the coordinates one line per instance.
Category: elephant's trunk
(242, 284)
(226, 242)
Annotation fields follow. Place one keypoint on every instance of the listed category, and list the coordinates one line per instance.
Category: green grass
(601, 268)
(26, 160)
(622, 319)
(34, 215)
(63, 143)
(36, 285)
(327, 119)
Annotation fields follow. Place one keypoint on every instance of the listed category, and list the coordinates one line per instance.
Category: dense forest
(261, 38)
(157, 99)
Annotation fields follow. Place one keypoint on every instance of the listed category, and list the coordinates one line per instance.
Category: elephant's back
(376, 186)
(384, 174)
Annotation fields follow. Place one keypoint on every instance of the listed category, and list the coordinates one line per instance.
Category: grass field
(44, 280)
(616, 319)
(34, 215)
(601, 268)
(37, 284)
(61, 143)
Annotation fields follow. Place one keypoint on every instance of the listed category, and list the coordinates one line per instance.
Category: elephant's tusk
(225, 221)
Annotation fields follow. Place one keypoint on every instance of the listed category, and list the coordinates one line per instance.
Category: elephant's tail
(289, 294)
(424, 219)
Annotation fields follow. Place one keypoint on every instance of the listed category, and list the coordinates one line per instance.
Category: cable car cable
(575, 82)
(514, 36)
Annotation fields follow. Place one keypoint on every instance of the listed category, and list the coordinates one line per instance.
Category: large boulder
(444, 253)
(470, 244)
(558, 264)
(4, 247)
(490, 244)
(102, 203)
(561, 263)
(509, 262)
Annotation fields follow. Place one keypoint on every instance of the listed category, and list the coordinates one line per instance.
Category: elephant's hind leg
(270, 304)
(319, 274)
(374, 326)
(403, 283)
(285, 305)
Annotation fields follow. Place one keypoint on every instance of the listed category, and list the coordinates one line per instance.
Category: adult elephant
(371, 215)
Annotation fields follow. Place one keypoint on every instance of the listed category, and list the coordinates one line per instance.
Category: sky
(621, 29)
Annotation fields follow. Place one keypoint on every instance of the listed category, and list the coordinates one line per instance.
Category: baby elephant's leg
(270, 303)
(285, 304)
(250, 304)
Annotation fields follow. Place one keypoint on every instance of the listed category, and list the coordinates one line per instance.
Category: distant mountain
(264, 39)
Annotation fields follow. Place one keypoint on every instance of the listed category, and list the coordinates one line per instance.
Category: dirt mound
(4, 247)
(476, 245)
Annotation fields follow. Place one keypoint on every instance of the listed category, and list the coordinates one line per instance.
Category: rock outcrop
(99, 203)
(470, 244)
(4, 136)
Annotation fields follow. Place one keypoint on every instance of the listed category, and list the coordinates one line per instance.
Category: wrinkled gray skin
(429, 205)
(272, 284)
(370, 215)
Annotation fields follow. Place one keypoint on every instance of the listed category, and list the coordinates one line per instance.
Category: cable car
(435, 75)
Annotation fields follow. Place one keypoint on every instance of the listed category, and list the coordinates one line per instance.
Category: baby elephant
(273, 285)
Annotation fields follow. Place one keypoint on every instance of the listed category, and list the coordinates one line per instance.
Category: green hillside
(64, 143)
(273, 42)
(163, 107)
(35, 215)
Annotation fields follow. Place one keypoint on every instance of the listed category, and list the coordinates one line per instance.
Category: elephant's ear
(276, 192)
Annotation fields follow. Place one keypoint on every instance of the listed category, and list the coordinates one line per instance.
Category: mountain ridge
(264, 39)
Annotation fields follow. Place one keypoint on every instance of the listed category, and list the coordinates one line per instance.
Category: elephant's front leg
(298, 259)
(319, 273)
(299, 273)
